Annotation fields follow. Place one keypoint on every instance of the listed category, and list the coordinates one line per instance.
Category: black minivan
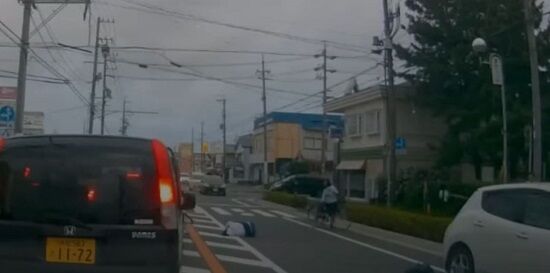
(88, 204)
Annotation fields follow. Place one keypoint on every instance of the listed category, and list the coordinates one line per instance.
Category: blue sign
(400, 143)
(7, 114)
(336, 132)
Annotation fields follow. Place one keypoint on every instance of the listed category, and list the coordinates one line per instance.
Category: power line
(330, 87)
(42, 62)
(34, 80)
(232, 82)
(193, 50)
(148, 8)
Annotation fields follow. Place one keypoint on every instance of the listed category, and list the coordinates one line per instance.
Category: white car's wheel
(460, 260)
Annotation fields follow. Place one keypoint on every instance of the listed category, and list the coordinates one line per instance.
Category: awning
(351, 165)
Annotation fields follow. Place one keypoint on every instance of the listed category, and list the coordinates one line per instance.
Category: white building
(363, 151)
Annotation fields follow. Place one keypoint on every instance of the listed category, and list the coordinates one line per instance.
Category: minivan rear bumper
(33, 267)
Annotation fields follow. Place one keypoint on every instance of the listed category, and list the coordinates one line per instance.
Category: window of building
(313, 143)
(354, 125)
(372, 122)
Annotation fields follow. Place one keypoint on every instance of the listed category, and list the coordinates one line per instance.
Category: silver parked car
(501, 229)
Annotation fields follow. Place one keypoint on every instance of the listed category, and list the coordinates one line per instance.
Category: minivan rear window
(93, 180)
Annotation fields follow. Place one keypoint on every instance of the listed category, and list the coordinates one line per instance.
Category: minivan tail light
(166, 192)
(166, 186)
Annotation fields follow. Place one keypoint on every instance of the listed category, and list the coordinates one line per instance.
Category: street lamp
(495, 61)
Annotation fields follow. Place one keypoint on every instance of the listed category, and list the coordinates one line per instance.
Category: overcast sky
(183, 104)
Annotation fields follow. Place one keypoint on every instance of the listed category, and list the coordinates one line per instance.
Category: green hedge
(287, 199)
(414, 224)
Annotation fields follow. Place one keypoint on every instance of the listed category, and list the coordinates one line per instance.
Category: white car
(501, 229)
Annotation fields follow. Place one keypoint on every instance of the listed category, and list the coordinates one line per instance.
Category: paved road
(287, 242)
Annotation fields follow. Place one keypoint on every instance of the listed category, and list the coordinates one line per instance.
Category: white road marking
(375, 248)
(225, 258)
(263, 213)
(263, 258)
(226, 205)
(240, 202)
(207, 227)
(221, 211)
(247, 214)
(204, 221)
(195, 215)
(284, 214)
(199, 210)
(220, 245)
(237, 210)
(187, 269)
(209, 234)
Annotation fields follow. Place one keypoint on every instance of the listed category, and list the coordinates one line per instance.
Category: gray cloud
(183, 105)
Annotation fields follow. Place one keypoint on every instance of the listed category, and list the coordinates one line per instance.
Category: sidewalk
(426, 246)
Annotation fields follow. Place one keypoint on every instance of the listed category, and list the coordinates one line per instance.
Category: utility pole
(126, 113)
(264, 119)
(323, 76)
(324, 134)
(192, 150)
(94, 78)
(124, 126)
(391, 165)
(105, 51)
(535, 89)
(24, 54)
(202, 147)
(22, 76)
(223, 101)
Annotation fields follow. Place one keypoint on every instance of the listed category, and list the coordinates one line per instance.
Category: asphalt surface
(287, 242)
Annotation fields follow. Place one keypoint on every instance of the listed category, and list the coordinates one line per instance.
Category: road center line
(375, 248)
(220, 245)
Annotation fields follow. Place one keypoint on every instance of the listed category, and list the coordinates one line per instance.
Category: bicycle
(317, 212)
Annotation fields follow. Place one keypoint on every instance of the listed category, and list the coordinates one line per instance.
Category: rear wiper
(56, 219)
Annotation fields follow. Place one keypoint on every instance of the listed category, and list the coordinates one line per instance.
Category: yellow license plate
(70, 250)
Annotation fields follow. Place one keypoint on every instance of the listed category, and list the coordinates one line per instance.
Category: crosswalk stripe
(263, 213)
(231, 259)
(221, 211)
(238, 210)
(196, 214)
(202, 220)
(209, 234)
(284, 214)
(220, 245)
(248, 214)
(240, 202)
(207, 227)
(188, 269)
(199, 210)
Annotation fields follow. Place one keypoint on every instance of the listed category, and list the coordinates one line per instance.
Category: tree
(452, 81)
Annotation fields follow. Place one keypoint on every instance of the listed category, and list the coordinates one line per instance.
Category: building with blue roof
(292, 136)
